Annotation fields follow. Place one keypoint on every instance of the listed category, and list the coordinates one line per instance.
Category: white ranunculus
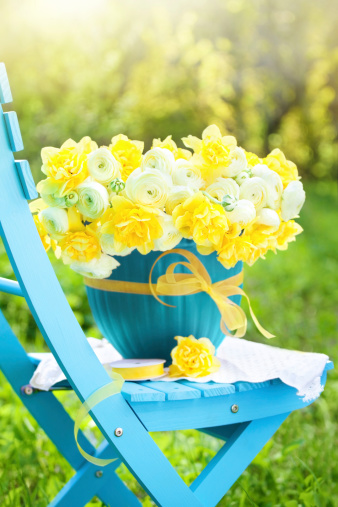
(103, 166)
(159, 158)
(260, 170)
(274, 185)
(148, 188)
(254, 190)
(96, 268)
(93, 199)
(238, 163)
(177, 195)
(171, 236)
(55, 221)
(53, 201)
(293, 199)
(243, 213)
(111, 247)
(222, 187)
(269, 218)
(187, 174)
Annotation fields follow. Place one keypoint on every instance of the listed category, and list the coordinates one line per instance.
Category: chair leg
(233, 458)
(90, 481)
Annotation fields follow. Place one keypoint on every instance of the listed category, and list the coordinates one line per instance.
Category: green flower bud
(117, 185)
(71, 199)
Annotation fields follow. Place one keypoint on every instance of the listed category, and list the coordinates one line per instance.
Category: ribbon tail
(101, 394)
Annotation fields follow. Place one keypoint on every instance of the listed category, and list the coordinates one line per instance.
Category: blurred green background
(263, 70)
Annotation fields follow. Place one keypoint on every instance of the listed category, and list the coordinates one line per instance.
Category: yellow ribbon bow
(233, 317)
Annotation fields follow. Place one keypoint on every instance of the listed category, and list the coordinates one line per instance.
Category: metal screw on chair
(118, 432)
(234, 409)
(27, 390)
(98, 474)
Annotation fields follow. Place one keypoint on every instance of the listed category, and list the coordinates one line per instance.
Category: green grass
(295, 295)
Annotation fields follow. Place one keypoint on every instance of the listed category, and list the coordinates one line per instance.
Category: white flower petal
(254, 190)
(171, 236)
(93, 199)
(293, 199)
(103, 166)
(148, 188)
(160, 159)
(238, 163)
(269, 218)
(243, 213)
(96, 268)
(177, 195)
(222, 187)
(55, 221)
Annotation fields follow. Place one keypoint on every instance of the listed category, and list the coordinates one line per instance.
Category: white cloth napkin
(241, 361)
(49, 372)
(245, 361)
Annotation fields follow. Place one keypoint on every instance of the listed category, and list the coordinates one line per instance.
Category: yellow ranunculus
(66, 167)
(46, 241)
(132, 225)
(201, 220)
(169, 144)
(193, 358)
(80, 246)
(212, 152)
(128, 153)
(286, 169)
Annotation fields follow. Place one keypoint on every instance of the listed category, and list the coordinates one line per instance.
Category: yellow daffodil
(201, 220)
(46, 241)
(169, 144)
(286, 233)
(234, 249)
(212, 153)
(286, 169)
(65, 167)
(193, 358)
(132, 225)
(252, 158)
(80, 246)
(128, 153)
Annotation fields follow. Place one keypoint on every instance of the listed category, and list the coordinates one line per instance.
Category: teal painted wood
(13, 130)
(57, 324)
(231, 461)
(26, 178)
(211, 388)
(249, 386)
(84, 485)
(10, 287)
(135, 392)
(216, 410)
(5, 90)
(174, 390)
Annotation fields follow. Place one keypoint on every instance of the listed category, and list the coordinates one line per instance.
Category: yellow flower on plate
(132, 225)
(46, 241)
(193, 358)
(286, 169)
(128, 153)
(169, 144)
(80, 246)
(212, 152)
(200, 219)
(65, 167)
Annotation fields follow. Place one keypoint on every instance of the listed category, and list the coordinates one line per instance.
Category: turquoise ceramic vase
(138, 326)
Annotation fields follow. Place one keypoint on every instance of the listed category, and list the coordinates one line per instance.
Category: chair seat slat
(174, 390)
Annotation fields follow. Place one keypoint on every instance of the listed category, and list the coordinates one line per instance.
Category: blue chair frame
(141, 407)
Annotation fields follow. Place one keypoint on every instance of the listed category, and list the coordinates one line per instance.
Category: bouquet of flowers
(98, 203)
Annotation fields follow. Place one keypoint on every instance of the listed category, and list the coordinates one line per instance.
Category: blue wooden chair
(244, 415)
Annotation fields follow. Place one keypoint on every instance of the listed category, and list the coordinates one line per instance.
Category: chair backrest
(31, 265)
